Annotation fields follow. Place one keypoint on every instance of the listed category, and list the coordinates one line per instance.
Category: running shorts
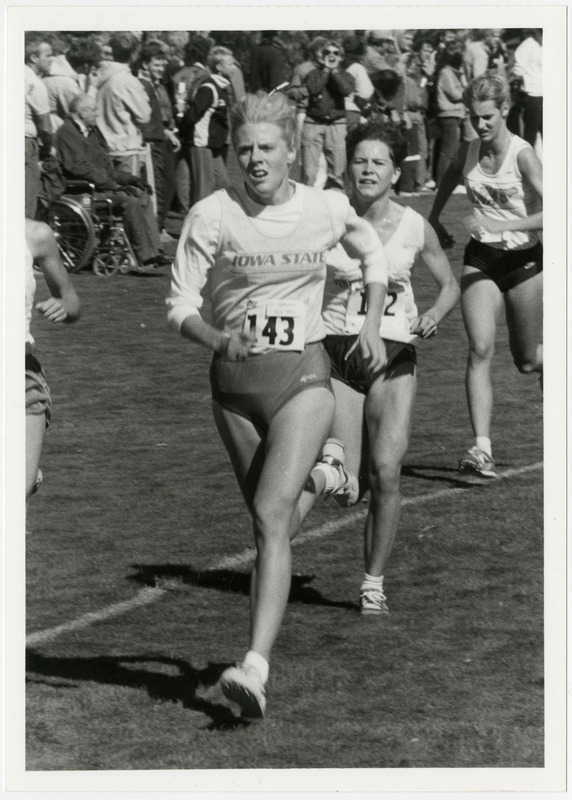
(258, 387)
(38, 397)
(401, 360)
(507, 268)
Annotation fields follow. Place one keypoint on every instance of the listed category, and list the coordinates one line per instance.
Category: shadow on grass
(177, 576)
(448, 475)
(129, 671)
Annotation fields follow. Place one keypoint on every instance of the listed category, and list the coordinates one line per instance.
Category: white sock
(259, 662)
(372, 582)
(484, 443)
(334, 448)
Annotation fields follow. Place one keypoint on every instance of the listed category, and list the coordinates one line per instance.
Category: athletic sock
(335, 449)
(259, 662)
(372, 582)
(484, 443)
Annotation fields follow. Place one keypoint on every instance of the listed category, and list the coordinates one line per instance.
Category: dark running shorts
(401, 360)
(38, 398)
(507, 268)
(258, 387)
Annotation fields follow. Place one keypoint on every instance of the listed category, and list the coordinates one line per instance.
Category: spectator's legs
(312, 148)
(418, 121)
(140, 224)
(450, 138)
(532, 119)
(163, 169)
(32, 176)
(183, 178)
(409, 167)
(335, 152)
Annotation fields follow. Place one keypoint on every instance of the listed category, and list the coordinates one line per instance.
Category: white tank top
(30, 289)
(270, 285)
(344, 299)
(501, 196)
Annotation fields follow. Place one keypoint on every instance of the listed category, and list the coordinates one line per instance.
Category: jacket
(449, 95)
(327, 92)
(122, 107)
(205, 122)
(62, 84)
(85, 157)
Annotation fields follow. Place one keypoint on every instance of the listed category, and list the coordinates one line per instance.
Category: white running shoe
(477, 461)
(243, 685)
(340, 484)
(373, 602)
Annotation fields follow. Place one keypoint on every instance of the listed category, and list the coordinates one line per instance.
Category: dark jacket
(205, 123)
(87, 158)
(327, 92)
(267, 67)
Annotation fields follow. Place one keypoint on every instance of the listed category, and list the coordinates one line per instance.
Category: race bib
(357, 306)
(278, 324)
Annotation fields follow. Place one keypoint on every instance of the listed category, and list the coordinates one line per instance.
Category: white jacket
(122, 107)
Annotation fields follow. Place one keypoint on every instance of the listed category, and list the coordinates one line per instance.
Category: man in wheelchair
(84, 155)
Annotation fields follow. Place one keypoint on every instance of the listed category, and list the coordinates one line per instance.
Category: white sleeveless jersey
(344, 299)
(265, 265)
(30, 289)
(501, 196)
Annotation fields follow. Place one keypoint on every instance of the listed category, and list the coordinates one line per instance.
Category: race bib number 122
(278, 324)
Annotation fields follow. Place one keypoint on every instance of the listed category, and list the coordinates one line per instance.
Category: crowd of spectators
(144, 115)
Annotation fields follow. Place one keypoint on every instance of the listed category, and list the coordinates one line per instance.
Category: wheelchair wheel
(115, 253)
(74, 231)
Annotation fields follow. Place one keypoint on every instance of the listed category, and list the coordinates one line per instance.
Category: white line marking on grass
(147, 595)
(151, 594)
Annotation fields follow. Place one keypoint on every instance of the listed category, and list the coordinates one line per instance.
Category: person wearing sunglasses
(325, 124)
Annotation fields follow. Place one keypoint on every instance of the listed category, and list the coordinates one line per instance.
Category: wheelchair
(89, 233)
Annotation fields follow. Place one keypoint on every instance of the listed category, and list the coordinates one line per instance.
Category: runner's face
(488, 120)
(264, 158)
(372, 171)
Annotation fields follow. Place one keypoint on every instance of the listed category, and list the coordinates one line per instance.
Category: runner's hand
(372, 349)
(53, 309)
(424, 326)
(236, 347)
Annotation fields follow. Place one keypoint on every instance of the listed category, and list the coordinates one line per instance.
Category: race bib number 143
(278, 324)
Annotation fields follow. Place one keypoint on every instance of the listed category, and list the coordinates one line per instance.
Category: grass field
(139, 506)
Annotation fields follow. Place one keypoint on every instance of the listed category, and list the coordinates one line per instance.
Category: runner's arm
(438, 265)
(64, 304)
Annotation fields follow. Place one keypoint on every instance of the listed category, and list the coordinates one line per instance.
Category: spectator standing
(420, 69)
(358, 101)
(62, 82)
(122, 103)
(528, 67)
(325, 124)
(267, 63)
(381, 52)
(205, 125)
(451, 109)
(37, 121)
(84, 57)
(159, 132)
(478, 53)
(84, 155)
(186, 82)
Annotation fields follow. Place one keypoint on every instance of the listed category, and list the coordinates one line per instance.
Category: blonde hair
(487, 87)
(273, 108)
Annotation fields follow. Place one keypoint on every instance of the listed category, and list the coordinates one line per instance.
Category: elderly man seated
(84, 155)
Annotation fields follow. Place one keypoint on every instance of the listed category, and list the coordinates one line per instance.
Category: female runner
(263, 249)
(62, 306)
(503, 260)
(373, 410)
